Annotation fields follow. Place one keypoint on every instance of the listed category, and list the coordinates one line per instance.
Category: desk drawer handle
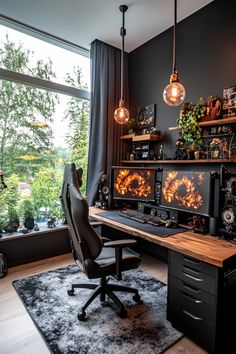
(194, 261)
(192, 288)
(191, 269)
(196, 301)
(192, 316)
(192, 277)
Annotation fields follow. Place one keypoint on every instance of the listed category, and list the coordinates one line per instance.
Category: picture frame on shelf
(146, 118)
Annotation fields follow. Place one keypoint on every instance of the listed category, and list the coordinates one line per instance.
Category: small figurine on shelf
(216, 148)
(180, 153)
(160, 155)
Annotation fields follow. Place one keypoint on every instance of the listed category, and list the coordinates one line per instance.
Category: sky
(63, 62)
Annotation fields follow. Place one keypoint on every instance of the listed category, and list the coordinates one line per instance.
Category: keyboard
(146, 218)
(136, 216)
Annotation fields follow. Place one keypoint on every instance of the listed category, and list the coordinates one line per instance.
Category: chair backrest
(86, 244)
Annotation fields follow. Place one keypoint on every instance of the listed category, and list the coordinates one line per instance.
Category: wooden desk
(206, 248)
(198, 303)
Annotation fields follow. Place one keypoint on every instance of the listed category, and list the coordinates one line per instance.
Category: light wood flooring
(18, 334)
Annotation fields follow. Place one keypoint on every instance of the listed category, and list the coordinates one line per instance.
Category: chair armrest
(96, 223)
(104, 239)
(120, 243)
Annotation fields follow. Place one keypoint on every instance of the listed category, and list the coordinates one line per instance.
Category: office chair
(96, 256)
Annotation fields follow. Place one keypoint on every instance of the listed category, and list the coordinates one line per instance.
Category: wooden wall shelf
(127, 136)
(209, 123)
(148, 137)
(203, 161)
(142, 137)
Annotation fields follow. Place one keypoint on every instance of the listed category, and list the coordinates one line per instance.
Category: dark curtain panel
(104, 141)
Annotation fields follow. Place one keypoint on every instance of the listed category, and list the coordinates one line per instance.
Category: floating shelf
(148, 137)
(127, 136)
(203, 161)
(143, 137)
(209, 123)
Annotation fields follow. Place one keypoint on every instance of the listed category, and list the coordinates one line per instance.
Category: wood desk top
(206, 248)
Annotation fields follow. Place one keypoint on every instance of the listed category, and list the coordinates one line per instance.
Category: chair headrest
(73, 176)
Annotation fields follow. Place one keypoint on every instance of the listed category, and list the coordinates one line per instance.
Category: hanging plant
(188, 124)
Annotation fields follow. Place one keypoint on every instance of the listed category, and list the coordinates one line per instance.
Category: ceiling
(82, 21)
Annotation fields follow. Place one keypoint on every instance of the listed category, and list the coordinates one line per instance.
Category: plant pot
(190, 155)
(13, 225)
(197, 155)
(29, 223)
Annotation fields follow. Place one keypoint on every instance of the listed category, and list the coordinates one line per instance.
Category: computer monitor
(133, 184)
(186, 191)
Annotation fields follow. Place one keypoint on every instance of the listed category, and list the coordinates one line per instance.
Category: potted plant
(3, 221)
(189, 129)
(27, 211)
(14, 221)
(131, 125)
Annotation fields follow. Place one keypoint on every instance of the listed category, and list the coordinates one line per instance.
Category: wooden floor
(18, 335)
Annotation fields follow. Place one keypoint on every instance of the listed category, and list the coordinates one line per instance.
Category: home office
(205, 61)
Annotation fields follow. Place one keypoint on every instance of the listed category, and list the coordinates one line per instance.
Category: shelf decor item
(174, 92)
(121, 114)
(146, 119)
(131, 125)
(188, 124)
(212, 108)
(229, 103)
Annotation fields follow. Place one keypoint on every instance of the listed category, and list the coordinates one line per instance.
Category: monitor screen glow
(134, 184)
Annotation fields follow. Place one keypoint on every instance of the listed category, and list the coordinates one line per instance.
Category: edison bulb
(121, 114)
(174, 94)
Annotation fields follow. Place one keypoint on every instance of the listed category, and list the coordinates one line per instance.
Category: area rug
(145, 330)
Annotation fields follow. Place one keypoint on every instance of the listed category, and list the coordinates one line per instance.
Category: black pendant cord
(174, 38)
(123, 8)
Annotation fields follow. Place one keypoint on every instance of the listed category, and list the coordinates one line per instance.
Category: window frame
(36, 82)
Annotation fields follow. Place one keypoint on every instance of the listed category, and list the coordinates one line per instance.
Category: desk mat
(161, 231)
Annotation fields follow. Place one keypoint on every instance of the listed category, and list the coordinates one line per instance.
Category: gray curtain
(104, 141)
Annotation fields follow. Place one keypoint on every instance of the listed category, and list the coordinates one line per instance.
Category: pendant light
(174, 92)
(121, 114)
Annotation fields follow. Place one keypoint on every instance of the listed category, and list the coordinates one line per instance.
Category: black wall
(206, 62)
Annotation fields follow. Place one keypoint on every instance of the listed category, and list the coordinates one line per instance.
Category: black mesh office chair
(96, 256)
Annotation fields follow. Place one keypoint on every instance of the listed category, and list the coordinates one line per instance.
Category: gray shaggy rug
(145, 330)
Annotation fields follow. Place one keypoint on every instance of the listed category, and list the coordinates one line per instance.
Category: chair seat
(107, 262)
(108, 253)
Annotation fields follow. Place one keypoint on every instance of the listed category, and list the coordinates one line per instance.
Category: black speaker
(103, 193)
(213, 226)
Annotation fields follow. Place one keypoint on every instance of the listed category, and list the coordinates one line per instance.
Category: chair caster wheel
(123, 313)
(82, 316)
(70, 292)
(136, 297)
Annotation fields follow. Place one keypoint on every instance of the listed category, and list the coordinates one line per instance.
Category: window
(43, 123)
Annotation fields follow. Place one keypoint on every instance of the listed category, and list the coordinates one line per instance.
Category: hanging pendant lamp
(174, 92)
(121, 114)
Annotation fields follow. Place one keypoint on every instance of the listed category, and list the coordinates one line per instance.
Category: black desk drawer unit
(192, 298)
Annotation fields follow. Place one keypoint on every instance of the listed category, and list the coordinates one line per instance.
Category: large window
(44, 122)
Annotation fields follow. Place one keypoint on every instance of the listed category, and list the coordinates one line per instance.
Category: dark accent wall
(206, 62)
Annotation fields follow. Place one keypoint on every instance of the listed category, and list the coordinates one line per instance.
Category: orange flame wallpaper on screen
(183, 190)
(134, 183)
